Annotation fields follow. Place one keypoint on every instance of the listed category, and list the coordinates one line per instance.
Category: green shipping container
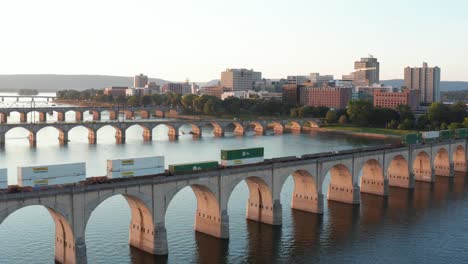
(411, 139)
(461, 133)
(188, 167)
(242, 153)
(446, 134)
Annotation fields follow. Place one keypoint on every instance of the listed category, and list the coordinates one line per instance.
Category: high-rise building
(366, 72)
(297, 79)
(315, 77)
(240, 79)
(426, 80)
(291, 94)
(178, 88)
(140, 81)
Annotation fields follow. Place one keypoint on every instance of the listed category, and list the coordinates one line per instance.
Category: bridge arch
(64, 238)
(146, 131)
(340, 184)
(372, 179)
(120, 134)
(210, 218)
(141, 226)
(305, 196)
(459, 159)
(276, 127)
(196, 130)
(442, 162)
(172, 131)
(261, 206)
(422, 167)
(398, 172)
(310, 123)
(293, 126)
(235, 128)
(257, 127)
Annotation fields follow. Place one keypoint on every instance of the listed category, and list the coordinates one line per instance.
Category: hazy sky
(197, 39)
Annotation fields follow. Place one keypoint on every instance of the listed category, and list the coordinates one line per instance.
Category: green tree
(359, 111)
(458, 112)
(158, 99)
(121, 99)
(405, 113)
(423, 123)
(187, 100)
(331, 117)
(343, 120)
(146, 100)
(133, 101)
(454, 126)
(443, 126)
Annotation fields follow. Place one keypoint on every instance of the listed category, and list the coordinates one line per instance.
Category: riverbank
(364, 131)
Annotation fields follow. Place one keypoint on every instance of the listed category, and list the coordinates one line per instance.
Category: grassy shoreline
(365, 130)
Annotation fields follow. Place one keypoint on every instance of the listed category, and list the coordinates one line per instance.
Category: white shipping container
(431, 134)
(51, 171)
(3, 178)
(135, 173)
(241, 161)
(135, 163)
(52, 181)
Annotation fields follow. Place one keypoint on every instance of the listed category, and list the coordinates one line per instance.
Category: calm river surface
(427, 225)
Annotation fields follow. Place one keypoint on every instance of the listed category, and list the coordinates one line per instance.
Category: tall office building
(240, 79)
(366, 72)
(426, 80)
(140, 81)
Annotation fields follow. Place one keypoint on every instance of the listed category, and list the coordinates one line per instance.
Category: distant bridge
(277, 126)
(32, 97)
(144, 112)
(345, 175)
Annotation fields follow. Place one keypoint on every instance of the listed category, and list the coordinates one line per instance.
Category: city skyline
(85, 37)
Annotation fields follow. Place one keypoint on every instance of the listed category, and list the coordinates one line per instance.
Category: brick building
(389, 99)
(329, 96)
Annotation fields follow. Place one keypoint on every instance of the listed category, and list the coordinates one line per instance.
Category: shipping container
(236, 154)
(49, 171)
(410, 139)
(52, 181)
(135, 173)
(461, 133)
(51, 174)
(198, 166)
(135, 163)
(446, 134)
(430, 134)
(3, 178)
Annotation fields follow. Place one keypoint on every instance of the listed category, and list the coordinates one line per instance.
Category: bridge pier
(112, 115)
(147, 135)
(129, 115)
(92, 136)
(63, 137)
(263, 212)
(61, 116)
(23, 117)
(344, 194)
(3, 118)
(42, 116)
(79, 116)
(2, 140)
(80, 252)
(96, 115)
(32, 139)
(144, 114)
(239, 131)
(173, 133)
(159, 113)
(120, 136)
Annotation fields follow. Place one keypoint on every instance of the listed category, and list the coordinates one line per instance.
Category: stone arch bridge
(129, 112)
(340, 177)
(277, 126)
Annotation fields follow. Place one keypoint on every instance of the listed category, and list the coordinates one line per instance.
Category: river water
(426, 225)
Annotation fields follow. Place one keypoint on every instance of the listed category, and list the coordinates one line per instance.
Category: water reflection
(210, 249)
(141, 257)
(263, 242)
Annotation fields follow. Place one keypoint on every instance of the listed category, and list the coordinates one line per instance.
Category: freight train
(434, 136)
(44, 177)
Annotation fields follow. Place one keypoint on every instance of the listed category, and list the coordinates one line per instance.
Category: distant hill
(444, 85)
(52, 83)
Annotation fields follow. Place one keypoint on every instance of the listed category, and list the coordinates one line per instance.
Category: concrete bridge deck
(278, 126)
(340, 177)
